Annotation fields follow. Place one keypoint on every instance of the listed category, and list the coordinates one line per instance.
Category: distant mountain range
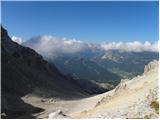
(106, 66)
(92, 62)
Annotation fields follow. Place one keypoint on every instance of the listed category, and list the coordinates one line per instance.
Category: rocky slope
(136, 98)
(26, 72)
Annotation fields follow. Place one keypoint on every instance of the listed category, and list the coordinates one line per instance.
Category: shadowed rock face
(24, 71)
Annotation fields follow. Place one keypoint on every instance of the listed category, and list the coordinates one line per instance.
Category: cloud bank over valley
(51, 45)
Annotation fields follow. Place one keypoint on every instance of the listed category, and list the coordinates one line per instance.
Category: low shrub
(155, 105)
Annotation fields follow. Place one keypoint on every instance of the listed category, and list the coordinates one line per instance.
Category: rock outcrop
(152, 65)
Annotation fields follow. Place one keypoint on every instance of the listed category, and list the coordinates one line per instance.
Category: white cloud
(17, 39)
(50, 45)
(135, 46)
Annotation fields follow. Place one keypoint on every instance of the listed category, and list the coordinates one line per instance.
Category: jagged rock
(150, 66)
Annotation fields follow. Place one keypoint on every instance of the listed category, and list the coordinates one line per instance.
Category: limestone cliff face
(25, 71)
(152, 65)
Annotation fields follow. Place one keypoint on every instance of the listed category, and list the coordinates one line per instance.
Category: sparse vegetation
(154, 104)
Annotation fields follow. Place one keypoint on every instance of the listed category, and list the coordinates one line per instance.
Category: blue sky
(87, 21)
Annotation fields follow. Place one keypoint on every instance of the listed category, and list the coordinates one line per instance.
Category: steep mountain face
(29, 70)
(24, 71)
